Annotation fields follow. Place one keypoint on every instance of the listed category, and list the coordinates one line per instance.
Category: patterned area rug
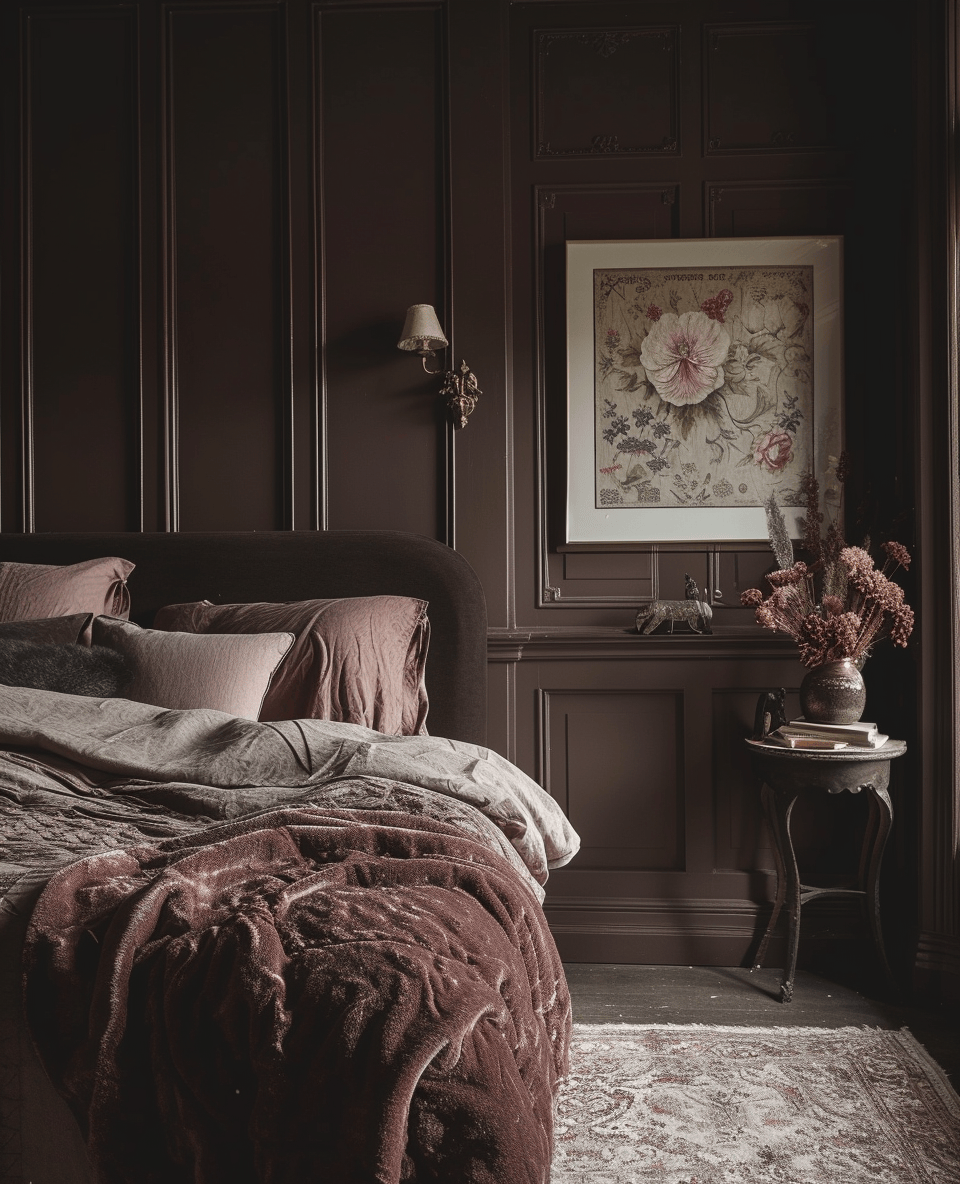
(728, 1105)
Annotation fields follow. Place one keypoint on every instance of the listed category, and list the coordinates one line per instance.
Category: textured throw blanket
(343, 983)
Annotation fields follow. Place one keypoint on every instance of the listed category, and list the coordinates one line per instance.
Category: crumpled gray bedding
(249, 765)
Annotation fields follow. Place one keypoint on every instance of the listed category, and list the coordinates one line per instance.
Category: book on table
(861, 734)
(813, 743)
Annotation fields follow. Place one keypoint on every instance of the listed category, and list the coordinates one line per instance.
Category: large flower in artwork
(773, 451)
(683, 357)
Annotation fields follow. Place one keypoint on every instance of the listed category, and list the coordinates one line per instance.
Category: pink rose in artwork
(773, 451)
(683, 357)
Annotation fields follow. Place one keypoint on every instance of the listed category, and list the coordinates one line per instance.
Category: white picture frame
(765, 329)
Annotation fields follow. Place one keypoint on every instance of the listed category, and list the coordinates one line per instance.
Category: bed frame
(242, 567)
(39, 1141)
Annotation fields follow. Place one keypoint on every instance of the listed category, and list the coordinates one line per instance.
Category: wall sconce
(422, 334)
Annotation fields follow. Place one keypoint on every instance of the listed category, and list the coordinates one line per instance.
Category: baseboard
(707, 932)
(936, 970)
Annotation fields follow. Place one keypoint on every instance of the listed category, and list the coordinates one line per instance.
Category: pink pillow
(356, 660)
(183, 670)
(30, 590)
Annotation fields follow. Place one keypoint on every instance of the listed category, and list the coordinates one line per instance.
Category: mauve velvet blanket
(311, 991)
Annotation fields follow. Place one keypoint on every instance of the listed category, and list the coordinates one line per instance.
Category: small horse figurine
(692, 611)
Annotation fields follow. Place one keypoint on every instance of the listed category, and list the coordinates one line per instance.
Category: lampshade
(421, 330)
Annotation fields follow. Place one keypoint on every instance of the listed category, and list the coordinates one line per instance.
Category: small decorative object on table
(771, 713)
(836, 607)
(691, 611)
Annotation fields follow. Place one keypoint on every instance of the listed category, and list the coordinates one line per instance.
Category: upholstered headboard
(240, 567)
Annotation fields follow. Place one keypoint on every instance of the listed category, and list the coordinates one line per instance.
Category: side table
(783, 774)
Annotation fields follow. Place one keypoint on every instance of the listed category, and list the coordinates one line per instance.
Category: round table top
(886, 752)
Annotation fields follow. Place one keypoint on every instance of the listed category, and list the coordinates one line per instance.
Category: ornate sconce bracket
(461, 392)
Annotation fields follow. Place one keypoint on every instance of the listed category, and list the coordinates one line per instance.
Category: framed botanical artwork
(703, 376)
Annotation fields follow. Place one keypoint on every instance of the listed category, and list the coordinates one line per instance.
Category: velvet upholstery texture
(358, 660)
(185, 670)
(300, 996)
(31, 590)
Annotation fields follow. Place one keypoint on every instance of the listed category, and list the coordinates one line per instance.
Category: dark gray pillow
(51, 630)
(72, 669)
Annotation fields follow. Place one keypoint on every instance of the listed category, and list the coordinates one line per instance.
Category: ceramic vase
(833, 693)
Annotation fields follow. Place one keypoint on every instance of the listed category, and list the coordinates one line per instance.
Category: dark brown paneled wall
(226, 265)
(215, 216)
(80, 282)
(679, 120)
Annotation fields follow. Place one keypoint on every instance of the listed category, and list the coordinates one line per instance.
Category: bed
(295, 934)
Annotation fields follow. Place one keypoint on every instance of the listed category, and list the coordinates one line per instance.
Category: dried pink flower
(902, 625)
(789, 575)
(837, 604)
(856, 559)
(765, 617)
(898, 554)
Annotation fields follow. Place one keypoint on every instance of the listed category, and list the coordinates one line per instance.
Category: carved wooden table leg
(778, 806)
(769, 810)
(881, 822)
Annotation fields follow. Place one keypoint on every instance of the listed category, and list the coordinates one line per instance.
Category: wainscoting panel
(608, 90)
(740, 833)
(641, 740)
(227, 377)
(81, 310)
(742, 209)
(769, 88)
(603, 739)
(381, 118)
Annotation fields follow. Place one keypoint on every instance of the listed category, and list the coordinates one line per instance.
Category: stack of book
(802, 733)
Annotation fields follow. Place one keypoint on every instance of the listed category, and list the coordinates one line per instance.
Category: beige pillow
(30, 590)
(227, 673)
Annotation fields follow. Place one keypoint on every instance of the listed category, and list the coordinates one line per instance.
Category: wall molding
(665, 196)
(585, 643)
(606, 43)
(29, 19)
(724, 194)
(714, 38)
(172, 14)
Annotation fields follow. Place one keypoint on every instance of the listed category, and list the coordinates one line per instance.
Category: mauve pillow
(356, 660)
(72, 630)
(184, 670)
(31, 590)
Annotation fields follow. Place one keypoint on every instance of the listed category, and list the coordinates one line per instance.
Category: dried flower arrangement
(837, 605)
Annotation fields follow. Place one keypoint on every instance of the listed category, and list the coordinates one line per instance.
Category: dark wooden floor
(622, 994)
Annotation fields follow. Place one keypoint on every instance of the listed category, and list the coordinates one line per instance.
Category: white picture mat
(585, 522)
